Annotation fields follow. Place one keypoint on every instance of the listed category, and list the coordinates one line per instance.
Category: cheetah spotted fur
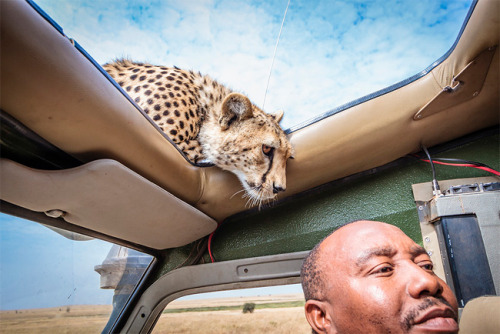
(211, 123)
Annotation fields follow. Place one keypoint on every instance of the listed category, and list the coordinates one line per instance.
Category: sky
(40, 268)
(329, 53)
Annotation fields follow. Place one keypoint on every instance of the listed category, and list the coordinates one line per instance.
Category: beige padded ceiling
(109, 198)
(54, 90)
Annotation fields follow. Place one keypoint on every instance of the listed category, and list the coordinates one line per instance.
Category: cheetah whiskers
(256, 200)
(236, 193)
(252, 200)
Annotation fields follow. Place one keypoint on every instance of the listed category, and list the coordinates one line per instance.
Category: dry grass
(265, 320)
(232, 301)
(92, 318)
(276, 321)
(80, 319)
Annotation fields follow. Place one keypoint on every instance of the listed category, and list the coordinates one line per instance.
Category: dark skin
(378, 280)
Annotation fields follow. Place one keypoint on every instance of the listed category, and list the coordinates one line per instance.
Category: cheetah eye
(267, 150)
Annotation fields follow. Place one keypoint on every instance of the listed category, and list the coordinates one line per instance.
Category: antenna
(274, 55)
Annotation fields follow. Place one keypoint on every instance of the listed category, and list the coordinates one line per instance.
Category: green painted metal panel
(300, 222)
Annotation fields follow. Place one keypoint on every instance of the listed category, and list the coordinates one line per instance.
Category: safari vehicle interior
(78, 155)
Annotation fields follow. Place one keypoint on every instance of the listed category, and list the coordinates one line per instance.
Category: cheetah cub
(211, 123)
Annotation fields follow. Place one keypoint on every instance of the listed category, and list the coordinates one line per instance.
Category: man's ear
(235, 107)
(278, 115)
(318, 317)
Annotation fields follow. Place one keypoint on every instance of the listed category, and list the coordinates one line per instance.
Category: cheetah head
(250, 143)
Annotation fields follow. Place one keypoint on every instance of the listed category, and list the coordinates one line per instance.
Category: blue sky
(40, 268)
(330, 53)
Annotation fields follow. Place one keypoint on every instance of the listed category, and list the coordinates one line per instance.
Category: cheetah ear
(278, 115)
(235, 107)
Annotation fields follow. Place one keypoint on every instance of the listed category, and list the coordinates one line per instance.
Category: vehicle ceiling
(68, 101)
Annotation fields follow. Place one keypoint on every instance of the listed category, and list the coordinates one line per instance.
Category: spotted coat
(211, 123)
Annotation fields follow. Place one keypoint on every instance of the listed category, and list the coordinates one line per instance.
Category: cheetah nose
(277, 189)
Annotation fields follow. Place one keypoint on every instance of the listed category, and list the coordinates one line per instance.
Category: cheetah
(210, 123)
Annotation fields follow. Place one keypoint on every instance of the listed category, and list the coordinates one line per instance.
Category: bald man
(370, 277)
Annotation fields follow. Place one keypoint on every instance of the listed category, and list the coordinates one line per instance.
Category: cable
(274, 54)
(435, 185)
(460, 163)
(473, 165)
(209, 247)
(201, 245)
(492, 171)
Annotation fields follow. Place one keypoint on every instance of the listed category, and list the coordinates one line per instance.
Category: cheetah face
(252, 145)
(262, 172)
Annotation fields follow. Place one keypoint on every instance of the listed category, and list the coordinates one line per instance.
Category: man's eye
(427, 266)
(385, 269)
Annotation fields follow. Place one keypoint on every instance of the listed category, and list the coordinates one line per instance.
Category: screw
(429, 252)
(56, 213)
(427, 239)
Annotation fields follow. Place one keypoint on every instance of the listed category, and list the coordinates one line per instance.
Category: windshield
(55, 281)
(329, 52)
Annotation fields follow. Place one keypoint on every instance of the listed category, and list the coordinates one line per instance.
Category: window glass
(329, 52)
(276, 310)
(50, 283)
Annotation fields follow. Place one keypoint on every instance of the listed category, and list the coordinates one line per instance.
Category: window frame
(265, 271)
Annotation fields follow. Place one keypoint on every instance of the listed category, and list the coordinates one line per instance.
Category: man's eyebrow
(374, 252)
(417, 250)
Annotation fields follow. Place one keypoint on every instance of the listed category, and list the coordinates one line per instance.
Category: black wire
(461, 161)
(435, 184)
(480, 164)
(431, 162)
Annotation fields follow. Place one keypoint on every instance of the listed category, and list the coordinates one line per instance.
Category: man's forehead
(363, 238)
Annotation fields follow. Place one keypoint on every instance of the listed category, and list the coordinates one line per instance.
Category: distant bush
(248, 307)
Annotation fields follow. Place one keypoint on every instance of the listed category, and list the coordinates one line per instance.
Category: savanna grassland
(272, 314)
(79, 319)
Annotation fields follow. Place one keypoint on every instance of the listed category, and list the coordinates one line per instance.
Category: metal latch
(465, 85)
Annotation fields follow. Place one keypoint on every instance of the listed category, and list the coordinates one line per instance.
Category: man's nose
(423, 283)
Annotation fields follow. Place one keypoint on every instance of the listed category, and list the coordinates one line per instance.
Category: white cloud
(329, 53)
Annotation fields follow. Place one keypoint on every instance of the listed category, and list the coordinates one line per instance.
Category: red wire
(464, 165)
(489, 170)
(209, 246)
(210, 243)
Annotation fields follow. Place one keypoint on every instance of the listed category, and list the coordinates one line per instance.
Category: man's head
(370, 277)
